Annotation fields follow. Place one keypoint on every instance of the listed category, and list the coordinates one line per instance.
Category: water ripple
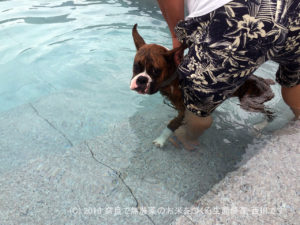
(60, 42)
(41, 20)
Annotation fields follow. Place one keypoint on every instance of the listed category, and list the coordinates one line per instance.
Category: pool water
(70, 63)
(78, 53)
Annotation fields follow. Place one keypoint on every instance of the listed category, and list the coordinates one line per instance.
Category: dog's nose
(142, 81)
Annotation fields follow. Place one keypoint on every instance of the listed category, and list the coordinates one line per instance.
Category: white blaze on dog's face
(141, 83)
(151, 65)
(149, 69)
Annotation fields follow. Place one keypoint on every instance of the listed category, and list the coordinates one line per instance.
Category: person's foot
(291, 96)
(181, 139)
(296, 112)
(189, 132)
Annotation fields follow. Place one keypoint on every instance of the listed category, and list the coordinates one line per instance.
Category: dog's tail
(269, 81)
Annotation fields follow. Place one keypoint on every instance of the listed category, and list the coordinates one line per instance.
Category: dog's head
(152, 65)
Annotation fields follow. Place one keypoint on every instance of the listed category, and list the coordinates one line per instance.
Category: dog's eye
(137, 68)
(156, 72)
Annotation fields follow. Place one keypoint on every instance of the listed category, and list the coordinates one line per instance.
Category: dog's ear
(138, 40)
(169, 55)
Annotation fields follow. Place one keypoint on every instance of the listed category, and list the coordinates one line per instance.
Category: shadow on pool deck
(172, 177)
(168, 177)
(187, 175)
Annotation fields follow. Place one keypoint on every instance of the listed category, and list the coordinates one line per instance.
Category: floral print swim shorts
(227, 45)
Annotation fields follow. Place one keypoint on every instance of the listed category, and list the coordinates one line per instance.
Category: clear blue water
(72, 60)
(78, 48)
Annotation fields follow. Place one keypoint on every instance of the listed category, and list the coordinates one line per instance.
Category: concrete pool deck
(121, 178)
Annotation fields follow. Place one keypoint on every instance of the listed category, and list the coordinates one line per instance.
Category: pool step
(100, 179)
(263, 190)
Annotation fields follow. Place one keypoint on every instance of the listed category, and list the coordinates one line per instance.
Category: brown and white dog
(154, 70)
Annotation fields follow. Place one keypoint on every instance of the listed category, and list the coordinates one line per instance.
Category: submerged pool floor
(121, 178)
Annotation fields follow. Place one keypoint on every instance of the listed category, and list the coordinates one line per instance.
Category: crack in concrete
(51, 125)
(182, 214)
(119, 174)
(189, 219)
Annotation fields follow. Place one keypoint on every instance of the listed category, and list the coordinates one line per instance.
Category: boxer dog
(154, 70)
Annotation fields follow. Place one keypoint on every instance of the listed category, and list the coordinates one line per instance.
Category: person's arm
(173, 11)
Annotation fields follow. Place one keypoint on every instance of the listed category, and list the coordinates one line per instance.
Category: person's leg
(288, 74)
(291, 96)
(193, 127)
(221, 56)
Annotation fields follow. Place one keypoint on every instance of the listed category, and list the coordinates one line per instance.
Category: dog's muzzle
(141, 83)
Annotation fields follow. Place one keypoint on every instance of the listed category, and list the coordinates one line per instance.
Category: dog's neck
(169, 80)
(171, 73)
(170, 84)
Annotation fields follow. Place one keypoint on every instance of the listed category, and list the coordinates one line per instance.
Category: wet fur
(252, 94)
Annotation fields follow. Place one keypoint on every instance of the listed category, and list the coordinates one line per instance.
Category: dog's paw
(158, 142)
(161, 140)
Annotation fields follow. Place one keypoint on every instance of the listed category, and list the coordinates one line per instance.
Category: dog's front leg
(161, 140)
(168, 131)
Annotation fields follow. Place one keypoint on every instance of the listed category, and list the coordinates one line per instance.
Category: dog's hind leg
(268, 118)
(252, 104)
(261, 125)
(168, 131)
